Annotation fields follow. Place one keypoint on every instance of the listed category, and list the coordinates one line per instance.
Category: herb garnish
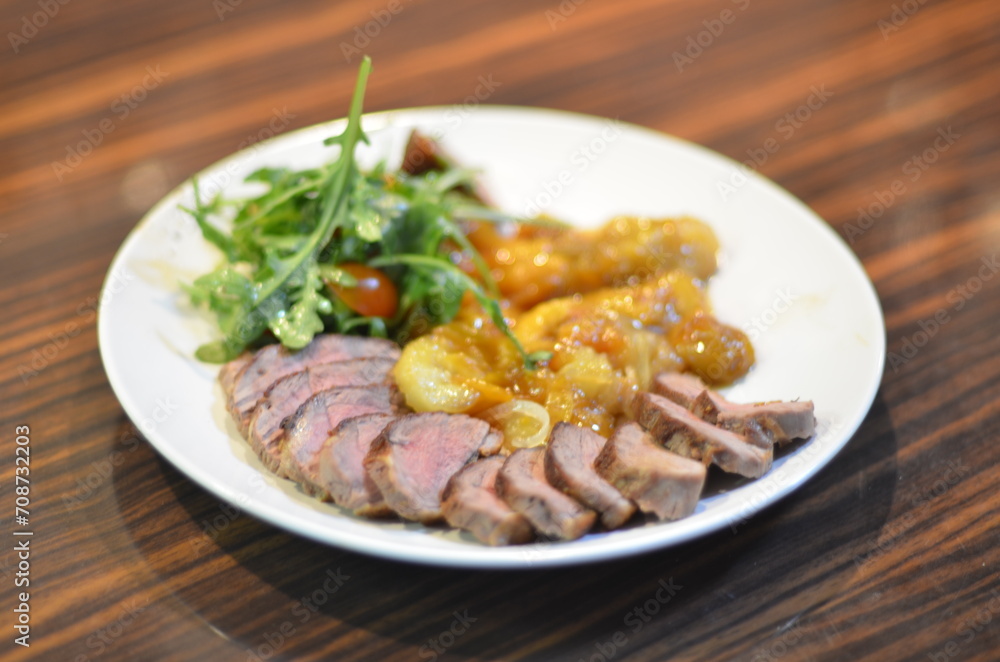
(293, 248)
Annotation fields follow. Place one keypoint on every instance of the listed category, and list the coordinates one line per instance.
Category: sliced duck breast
(230, 371)
(679, 387)
(271, 363)
(470, 502)
(659, 481)
(687, 391)
(287, 394)
(312, 424)
(762, 423)
(342, 477)
(521, 483)
(780, 422)
(682, 432)
(569, 466)
(415, 456)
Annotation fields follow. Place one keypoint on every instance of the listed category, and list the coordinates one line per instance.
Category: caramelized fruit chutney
(614, 306)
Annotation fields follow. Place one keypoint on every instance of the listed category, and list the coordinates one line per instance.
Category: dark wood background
(890, 553)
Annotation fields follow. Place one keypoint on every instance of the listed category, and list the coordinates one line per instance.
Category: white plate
(785, 276)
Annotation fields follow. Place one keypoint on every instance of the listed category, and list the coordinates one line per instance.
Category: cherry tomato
(373, 296)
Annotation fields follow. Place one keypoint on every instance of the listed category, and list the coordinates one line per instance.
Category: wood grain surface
(890, 553)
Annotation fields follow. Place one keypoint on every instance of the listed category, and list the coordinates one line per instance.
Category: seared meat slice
(687, 391)
(342, 476)
(230, 371)
(415, 456)
(569, 466)
(273, 362)
(685, 434)
(778, 422)
(660, 482)
(521, 483)
(763, 423)
(308, 429)
(680, 387)
(287, 394)
(470, 502)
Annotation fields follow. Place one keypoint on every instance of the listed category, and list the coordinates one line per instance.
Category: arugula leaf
(213, 234)
(267, 307)
(297, 328)
(287, 244)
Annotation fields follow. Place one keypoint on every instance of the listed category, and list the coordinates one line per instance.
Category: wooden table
(890, 553)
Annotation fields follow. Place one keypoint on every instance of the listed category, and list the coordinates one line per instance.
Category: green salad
(336, 249)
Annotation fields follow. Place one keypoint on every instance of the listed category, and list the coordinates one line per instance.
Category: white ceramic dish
(785, 276)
